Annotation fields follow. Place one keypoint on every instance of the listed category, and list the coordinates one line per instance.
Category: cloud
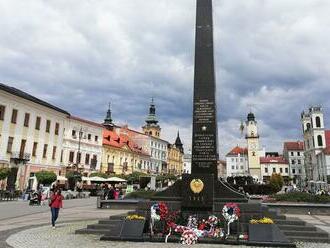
(80, 55)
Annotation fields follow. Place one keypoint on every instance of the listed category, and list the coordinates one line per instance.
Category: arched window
(318, 121)
(319, 140)
(308, 126)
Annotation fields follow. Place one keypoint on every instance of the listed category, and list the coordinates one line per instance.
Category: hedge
(302, 197)
(46, 177)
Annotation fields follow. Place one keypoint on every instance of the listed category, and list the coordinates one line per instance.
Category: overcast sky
(81, 54)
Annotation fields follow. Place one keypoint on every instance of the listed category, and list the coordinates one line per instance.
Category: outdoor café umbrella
(116, 179)
(97, 179)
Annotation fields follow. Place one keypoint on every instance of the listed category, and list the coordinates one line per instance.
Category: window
(71, 156)
(232, 159)
(26, 119)
(61, 156)
(299, 161)
(308, 126)
(318, 121)
(2, 112)
(87, 159)
(57, 127)
(73, 133)
(38, 120)
(281, 170)
(96, 138)
(14, 116)
(47, 126)
(34, 149)
(78, 157)
(241, 167)
(89, 136)
(10, 144)
(319, 140)
(274, 170)
(266, 170)
(298, 153)
(44, 153)
(292, 153)
(293, 171)
(299, 171)
(233, 167)
(286, 170)
(54, 152)
(292, 161)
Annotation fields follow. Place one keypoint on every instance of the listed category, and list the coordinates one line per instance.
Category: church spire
(152, 127)
(178, 143)
(151, 118)
(108, 119)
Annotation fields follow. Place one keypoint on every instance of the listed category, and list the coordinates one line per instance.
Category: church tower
(151, 127)
(178, 143)
(252, 138)
(108, 124)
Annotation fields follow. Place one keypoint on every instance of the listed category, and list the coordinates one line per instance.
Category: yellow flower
(134, 217)
(263, 220)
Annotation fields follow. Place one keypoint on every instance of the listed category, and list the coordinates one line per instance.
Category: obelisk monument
(204, 139)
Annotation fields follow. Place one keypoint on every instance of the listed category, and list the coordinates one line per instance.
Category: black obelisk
(204, 138)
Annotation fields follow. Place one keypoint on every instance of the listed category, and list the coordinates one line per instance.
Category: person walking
(55, 205)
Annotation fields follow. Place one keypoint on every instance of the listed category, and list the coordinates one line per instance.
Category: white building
(187, 162)
(237, 162)
(158, 155)
(293, 152)
(314, 142)
(82, 144)
(270, 165)
(31, 133)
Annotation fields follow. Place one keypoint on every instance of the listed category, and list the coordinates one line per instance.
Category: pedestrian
(55, 205)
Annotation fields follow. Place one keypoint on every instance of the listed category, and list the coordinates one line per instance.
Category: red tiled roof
(294, 145)
(85, 121)
(327, 138)
(273, 160)
(238, 150)
(111, 138)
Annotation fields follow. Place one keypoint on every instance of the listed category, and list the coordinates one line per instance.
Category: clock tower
(252, 138)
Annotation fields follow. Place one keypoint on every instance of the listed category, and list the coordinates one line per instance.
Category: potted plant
(133, 227)
(264, 230)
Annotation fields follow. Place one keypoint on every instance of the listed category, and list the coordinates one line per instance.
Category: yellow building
(120, 154)
(175, 157)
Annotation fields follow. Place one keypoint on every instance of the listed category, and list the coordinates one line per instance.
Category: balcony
(20, 157)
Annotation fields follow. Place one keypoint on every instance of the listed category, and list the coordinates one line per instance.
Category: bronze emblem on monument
(196, 185)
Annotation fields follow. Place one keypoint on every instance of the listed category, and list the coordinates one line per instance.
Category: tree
(134, 177)
(276, 182)
(4, 172)
(98, 174)
(46, 177)
(73, 177)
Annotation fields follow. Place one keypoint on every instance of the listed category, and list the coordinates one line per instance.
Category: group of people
(111, 193)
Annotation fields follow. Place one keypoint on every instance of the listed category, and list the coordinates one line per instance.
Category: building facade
(222, 169)
(31, 135)
(187, 162)
(252, 137)
(293, 152)
(270, 165)
(314, 142)
(237, 162)
(175, 157)
(82, 145)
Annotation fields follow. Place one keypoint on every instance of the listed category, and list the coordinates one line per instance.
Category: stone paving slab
(64, 237)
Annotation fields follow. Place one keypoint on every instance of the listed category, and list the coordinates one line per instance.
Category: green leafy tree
(73, 177)
(134, 177)
(98, 174)
(46, 177)
(4, 172)
(276, 182)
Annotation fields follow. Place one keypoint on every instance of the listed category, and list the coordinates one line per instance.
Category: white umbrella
(115, 179)
(61, 178)
(85, 179)
(97, 179)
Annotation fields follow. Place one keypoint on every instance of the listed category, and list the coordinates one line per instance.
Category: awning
(97, 179)
(61, 178)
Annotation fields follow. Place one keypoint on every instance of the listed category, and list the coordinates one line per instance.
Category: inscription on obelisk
(204, 140)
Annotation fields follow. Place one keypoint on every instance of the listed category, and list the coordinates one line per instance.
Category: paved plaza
(23, 226)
